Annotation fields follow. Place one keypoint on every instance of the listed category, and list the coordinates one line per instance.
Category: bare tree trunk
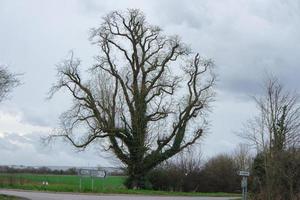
(136, 178)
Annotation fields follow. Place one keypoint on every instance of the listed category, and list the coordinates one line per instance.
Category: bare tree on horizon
(8, 81)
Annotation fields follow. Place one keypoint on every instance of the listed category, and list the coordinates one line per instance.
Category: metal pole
(80, 184)
(246, 188)
(92, 184)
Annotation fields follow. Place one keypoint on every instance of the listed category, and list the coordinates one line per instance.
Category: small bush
(185, 174)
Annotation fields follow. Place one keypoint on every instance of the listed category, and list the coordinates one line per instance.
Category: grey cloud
(242, 86)
(193, 14)
(37, 118)
(29, 150)
(6, 144)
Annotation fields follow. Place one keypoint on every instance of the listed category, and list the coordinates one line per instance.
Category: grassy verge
(5, 197)
(167, 193)
(109, 185)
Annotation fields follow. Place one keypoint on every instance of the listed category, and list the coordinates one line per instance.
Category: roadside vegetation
(275, 134)
(187, 173)
(6, 197)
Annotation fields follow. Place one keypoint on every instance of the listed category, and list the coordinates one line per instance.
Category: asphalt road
(69, 196)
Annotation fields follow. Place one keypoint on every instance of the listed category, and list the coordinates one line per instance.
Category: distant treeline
(37, 170)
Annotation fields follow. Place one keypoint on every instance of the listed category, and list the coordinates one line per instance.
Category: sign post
(244, 183)
(93, 173)
(80, 184)
(92, 184)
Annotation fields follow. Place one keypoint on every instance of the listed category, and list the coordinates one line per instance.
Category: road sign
(92, 173)
(98, 173)
(244, 173)
(84, 172)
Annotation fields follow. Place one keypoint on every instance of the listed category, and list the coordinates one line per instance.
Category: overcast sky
(245, 38)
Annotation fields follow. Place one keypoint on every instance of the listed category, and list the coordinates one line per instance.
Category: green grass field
(63, 183)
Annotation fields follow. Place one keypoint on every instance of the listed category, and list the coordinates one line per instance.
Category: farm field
(63, 183)
(71, 183)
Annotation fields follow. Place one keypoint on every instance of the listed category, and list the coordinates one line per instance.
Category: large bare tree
(8, 81)
(146, 98)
